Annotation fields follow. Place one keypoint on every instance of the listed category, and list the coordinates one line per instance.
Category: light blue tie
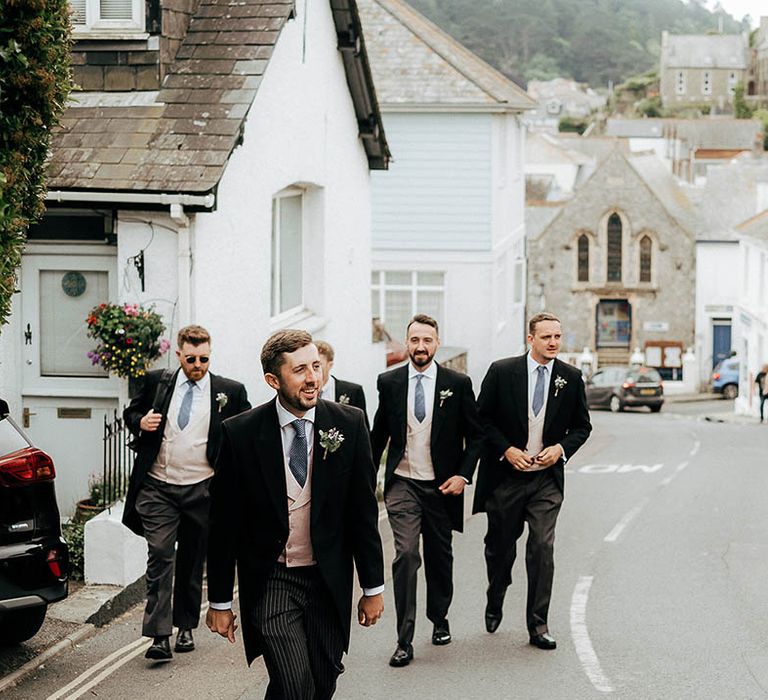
(185, 410)
(419, 409)
(297, 459)
(538, 391)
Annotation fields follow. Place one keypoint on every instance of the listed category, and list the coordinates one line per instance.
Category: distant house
(448, 231)
(702, 69)
(560, 98)
(616, 262)
(758, 84)
(216, 165)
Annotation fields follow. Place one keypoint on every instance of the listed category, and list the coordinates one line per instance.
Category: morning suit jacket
(503, 406)
(355, 394)
(249, 511)
(457, 435)
(149, 442)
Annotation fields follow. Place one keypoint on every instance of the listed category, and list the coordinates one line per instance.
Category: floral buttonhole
(221, 399)
(330, 440)
(444, 395)
(559, 384)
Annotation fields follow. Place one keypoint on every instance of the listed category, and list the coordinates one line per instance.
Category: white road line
(580, 635)
(119, 657)
(681, 466)
(614, 534)
(678, 469)
(696, 446)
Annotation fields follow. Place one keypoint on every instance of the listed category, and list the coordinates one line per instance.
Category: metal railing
(118, 460)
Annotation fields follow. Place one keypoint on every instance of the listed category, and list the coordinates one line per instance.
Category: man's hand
(222, 622)
(453, 486)
(518, 459)
(548, 456)
(369, 609)
(151, 421)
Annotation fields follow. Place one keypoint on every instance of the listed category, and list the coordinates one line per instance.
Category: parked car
(34, 559)
(725, 378)
(619, 387)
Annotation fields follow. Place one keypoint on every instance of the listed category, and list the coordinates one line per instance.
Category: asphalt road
(659, 592)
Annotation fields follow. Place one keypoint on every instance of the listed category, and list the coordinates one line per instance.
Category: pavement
(92, 606)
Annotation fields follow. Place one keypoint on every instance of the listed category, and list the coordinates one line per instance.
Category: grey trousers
(536, 499)
(297, 620)
(173, 514)
(416, 509)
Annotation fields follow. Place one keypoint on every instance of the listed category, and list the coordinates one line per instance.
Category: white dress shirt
(200, 392)
(533, 375)
(428, 383)
(328, 392)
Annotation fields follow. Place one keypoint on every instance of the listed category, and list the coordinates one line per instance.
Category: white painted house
(242, 186)
(448, 219)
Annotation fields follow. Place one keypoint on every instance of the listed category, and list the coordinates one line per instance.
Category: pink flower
(165, 346)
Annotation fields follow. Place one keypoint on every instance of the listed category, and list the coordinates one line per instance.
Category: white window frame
(680, 83)
(95, 26)
(274, 298)
(382, 287)
(706, 83)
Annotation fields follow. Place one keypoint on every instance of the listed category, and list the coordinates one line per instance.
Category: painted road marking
(696, 446)
(678, 469)
(619, 468)
(614, 534)
(580, 635)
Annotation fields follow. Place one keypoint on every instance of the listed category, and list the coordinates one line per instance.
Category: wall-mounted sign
(656, 326)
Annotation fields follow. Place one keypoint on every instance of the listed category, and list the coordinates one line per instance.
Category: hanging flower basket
(128, 338)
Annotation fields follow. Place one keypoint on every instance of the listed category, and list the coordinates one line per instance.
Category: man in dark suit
(428, 416)
(177, 418)
(534, 410)
(293, 506)
(335, 389)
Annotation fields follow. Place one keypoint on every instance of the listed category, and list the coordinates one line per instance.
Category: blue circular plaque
(73, 284)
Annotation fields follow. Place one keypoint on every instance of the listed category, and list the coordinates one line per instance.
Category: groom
(293, 506)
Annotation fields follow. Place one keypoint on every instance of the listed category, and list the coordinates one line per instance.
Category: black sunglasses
(191, 359)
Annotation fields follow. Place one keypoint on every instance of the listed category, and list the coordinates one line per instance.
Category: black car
(34, 559)
(619, 387)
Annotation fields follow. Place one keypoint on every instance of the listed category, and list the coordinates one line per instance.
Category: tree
(35, 81)
(741, 110)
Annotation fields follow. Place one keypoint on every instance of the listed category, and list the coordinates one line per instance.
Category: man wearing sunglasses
(177, 418)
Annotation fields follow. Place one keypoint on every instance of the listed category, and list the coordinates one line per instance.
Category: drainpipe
(184, 264)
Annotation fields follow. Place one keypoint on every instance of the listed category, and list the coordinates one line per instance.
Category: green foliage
(128, 338)
(35, 81)
(762, 115)
(650, 107)
(592, 41)
(573, 125)
(639, 83)
(741, 110)
(74, 536)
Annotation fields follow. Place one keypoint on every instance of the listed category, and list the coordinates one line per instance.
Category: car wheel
(655, 409)
(615, 404)
(20, 625)
(730, 391)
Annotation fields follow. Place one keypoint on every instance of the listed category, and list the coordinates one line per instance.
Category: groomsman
(177, 418)
(293, 507)
(534, 410)
(428, 417)
(334, 389)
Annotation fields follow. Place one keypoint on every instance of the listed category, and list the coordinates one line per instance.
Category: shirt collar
(181, 380)
(533, 365)
(285, 417)
(329, 390)
(429, 373)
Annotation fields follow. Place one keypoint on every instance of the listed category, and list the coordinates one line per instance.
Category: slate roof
(704, 51)
(182, 142)
(712, 134)
(414, 62)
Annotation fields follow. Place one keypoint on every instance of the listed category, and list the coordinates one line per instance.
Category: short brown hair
(194, 335)
(538, 318)
(325, 349)
(426, 320)
(288, 340)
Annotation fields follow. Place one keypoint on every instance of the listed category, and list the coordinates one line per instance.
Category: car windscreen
(10, 438)
(645, 375)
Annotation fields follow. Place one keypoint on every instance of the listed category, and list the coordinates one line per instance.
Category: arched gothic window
(614, 248)
(645, 258)
(583, 258)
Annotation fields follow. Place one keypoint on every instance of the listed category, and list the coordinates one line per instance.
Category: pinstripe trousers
(297, 620)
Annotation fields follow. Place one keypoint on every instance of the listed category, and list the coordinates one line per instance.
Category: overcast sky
(739, 8)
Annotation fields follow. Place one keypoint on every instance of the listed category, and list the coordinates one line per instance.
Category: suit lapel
(401, 401)
(553, 403)
(269, 451)
(438, 411)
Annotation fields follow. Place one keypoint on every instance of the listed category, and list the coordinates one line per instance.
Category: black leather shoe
(441, 633)
(492, 619)
(184, 641)
(160, 650)
(544, 641)
(402, 656)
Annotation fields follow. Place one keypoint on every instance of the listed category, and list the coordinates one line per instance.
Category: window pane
(397, 312)
(116, 9)
(431, 279)
(375, 310)
(290, 253)
(375, 277)
(399, 278)
(78, 11)
(583, 259)
(645, 259)
(614, 248)
(430, 303)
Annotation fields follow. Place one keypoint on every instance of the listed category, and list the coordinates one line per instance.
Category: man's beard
(296, 402)
(421, 360)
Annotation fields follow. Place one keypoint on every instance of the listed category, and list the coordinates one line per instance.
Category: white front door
(65, 398)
